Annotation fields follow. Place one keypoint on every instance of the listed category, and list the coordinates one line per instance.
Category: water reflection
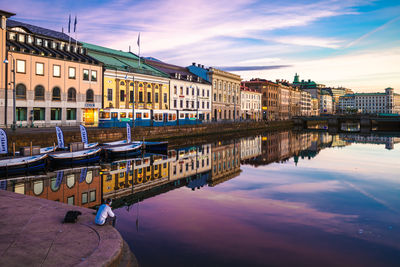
(251, 201)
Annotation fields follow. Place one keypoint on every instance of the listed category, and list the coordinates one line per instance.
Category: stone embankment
(32, 234)
(47, 136)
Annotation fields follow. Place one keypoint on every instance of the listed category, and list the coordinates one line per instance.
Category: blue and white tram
(164, 117)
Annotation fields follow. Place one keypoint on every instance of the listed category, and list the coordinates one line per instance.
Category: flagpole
(69, 30)
(75, 30)
(138, 42)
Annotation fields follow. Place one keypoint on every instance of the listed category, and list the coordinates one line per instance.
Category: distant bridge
(383, 122)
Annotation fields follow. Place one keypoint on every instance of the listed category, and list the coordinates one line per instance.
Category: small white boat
(91, 145)
(91, 155)
(116, 143)
(123, 150)
(17, 165)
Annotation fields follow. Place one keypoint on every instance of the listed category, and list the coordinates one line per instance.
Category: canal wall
(47, 137)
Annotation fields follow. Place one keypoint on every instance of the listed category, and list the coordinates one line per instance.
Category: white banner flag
(128, 133)
(84, 134)
(3, 142)
(60, 137)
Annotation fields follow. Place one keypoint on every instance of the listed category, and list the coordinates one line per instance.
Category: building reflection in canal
(130, 180)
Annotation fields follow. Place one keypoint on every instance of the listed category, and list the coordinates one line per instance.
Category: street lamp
(14, 125)
(133, 95)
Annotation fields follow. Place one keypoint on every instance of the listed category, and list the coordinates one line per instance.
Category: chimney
(193, 63)
(202, 66)
(199, 65)
(129, 49)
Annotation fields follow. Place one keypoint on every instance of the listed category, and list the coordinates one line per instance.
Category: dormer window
(39, 41)
(12, 36)
(82, 50)
(67, 48)
(61, 45)
(21, 38)
(53, 45)
(176, 75)
(46, 43)
(30, 39)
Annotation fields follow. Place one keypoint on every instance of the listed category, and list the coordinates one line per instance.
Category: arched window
(70, 180)
(72, 94)
(89, 95)
(39, 92)
(56, 94)
(122, 83)
(20, 91)
(132, 84)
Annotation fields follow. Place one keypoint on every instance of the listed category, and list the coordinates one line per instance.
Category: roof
(6, 13)
(245, 88)
(33, 49)
(201, 72)
(120, 60)
(173, 69)
(39, 30)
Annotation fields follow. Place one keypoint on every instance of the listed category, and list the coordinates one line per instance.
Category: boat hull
(76, 158)
(28, 167)
(123, 151)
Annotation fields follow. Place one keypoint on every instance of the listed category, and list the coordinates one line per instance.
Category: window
(39, 92)
(122, 95)
(165, 97)
(55, 114)
(21, 38)
(175, 90)
(71, 73)
(56, 94)
(21, 66)
(38, 187)
(94, 75)
(89, 95)
(20, 91)
(156, 97)
(92, 196)
(56, 70)
(86, 75)
(131, 97)
(39, 68)
(141, 97)
(39, 41)
(71, 114)
(71, 200)
(109, 94)
(71, 94)
(84, 198)
(175, 103)
(39, 114)
(21, 114)
(148, 97)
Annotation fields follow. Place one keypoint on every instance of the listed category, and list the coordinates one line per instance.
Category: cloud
(368, 34)
(310, 41)
(249, 68)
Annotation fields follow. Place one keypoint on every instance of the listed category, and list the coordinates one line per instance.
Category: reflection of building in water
(121, 177)
(250, 147)
(225, 162)
(191, 161)
(79, 186)
(338, 142)
(284, 147)
(371, 139)
(325, 139)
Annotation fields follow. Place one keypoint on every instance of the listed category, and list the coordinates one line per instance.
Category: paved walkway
(32, 234)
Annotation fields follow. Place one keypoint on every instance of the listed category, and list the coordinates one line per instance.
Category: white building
(250, 147)
(326, 104)
(370, 102)
(187, 91)
(305, 104)
(250, 106)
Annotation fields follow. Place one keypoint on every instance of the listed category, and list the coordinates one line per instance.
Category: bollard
(54, 146)
(31, 148)
(13, 149)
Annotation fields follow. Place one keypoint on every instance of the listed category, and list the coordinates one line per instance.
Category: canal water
(276, 199)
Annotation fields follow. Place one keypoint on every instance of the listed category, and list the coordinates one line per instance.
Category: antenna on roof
(129, 49)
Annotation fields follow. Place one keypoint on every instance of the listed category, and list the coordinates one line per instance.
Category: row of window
(40, 70)
(20, 92)
(226, 98)
(204, 92)
(192, 167)
(39, 114)
(181, 102)
(224, 86)
(140, 100)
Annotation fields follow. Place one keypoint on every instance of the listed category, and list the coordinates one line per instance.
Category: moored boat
(18, 165)
(123, 150)
(85, 156)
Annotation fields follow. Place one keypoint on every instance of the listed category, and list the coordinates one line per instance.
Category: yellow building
(123, 76)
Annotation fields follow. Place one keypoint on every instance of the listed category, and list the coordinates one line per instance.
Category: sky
(349, 43)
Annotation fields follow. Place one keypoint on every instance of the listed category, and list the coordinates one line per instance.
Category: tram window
(174, 117)
(130, 115)
(114, 115)
(104, 115)
(146, 115)
(191, 116)
(181, 116)
(122, 115)
(138, 115)
(186, 116)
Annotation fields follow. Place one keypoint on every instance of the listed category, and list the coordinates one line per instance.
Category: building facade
(295, 101)
(284, 100)
(225, 91)
(326, 103)
(125, 80)
(387, 102)
(305, 104)
(250, 107)
(187, 90)
(56, 81)
(270, 97)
